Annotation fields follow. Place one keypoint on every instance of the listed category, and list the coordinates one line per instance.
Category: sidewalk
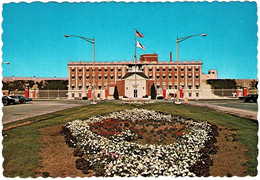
(233, 111)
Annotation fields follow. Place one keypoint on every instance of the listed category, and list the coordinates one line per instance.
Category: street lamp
(178, 41)
(5, 63)
(92, 41)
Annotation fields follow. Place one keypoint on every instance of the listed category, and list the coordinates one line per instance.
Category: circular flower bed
(140, 142)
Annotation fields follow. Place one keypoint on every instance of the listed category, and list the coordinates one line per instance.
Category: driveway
(34, 108)
(233, 107)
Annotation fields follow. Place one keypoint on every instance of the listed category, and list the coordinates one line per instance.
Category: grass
(22, 144)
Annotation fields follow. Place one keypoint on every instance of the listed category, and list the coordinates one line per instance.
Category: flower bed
(140, 142)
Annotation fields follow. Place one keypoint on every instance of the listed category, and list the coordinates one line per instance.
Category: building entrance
(135, 93)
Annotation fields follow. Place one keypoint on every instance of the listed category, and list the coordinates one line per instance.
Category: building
(134, 80)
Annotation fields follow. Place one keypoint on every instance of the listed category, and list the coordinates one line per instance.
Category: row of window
(150, 76)
(158, 87)
(150, 69)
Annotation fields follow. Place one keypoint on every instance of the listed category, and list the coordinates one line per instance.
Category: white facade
(135, 86)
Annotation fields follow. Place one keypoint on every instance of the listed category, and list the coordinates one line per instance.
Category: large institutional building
(134, 79)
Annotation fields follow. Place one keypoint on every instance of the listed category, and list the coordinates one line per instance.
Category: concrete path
(233, 111)
(34, 108)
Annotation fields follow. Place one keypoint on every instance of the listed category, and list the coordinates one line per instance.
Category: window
(79, 94)
(197, 69)
(111, 69)
(135, 93)
(197, 76)
(197, 86)
(73, 77)
(189, 94)
(73, 70)
(150, 70)
(182, 69)
(157, 77)
(170, 76)
(189, 76)
(105, 77)
(164, 69)
(80, 70)
(189, 69)
(105, 70)
(99, 77)
(80, 77)
(170, 69)
(119, 70)
(170, 86)
(175, 87)
(72, 95)
(87, 86)
(197, 94)
(80, 87)
(99, 70)
(72, 87)
(119, 77)
(189, 86)
(150, 76)
(175, 77)
(111, 77)
(99, 87)
(175, 69)
(87, 69)
(164, 77)
(157, 69)
(158, 87)
(182, 76)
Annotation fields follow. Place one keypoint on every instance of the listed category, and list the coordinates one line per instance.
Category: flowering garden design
(140, 142)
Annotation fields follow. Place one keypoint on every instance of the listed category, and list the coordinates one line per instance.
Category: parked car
(251, 98)
(28, 99)
(19, 99)
(6, 100)
(84, 98)
(159, 97)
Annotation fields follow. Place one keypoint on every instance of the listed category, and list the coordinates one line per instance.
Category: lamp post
(92, 41)
(178, 41)
(5, 63)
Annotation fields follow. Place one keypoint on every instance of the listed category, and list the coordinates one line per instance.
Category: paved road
(239, 111)
(35, 108)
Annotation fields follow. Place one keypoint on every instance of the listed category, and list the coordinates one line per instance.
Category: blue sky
(34, 43)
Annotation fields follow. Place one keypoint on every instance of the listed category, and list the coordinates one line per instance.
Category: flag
(138, 34)
(140, 45)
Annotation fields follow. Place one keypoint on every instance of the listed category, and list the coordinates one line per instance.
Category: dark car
(6, 100)
(21, 99)
(84, 98)
(28, 99)
(251, 98)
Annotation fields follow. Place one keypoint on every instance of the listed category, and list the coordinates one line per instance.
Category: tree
(253, 84)
(153, 92)
(116, 96)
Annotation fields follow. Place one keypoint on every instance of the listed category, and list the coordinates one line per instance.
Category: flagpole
(135, 59)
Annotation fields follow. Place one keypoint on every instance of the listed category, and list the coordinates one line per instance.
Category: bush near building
(42, 85)
(116, 95)
(153, 92)
(222, 83)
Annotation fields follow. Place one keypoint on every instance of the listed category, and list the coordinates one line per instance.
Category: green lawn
(21, 144)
